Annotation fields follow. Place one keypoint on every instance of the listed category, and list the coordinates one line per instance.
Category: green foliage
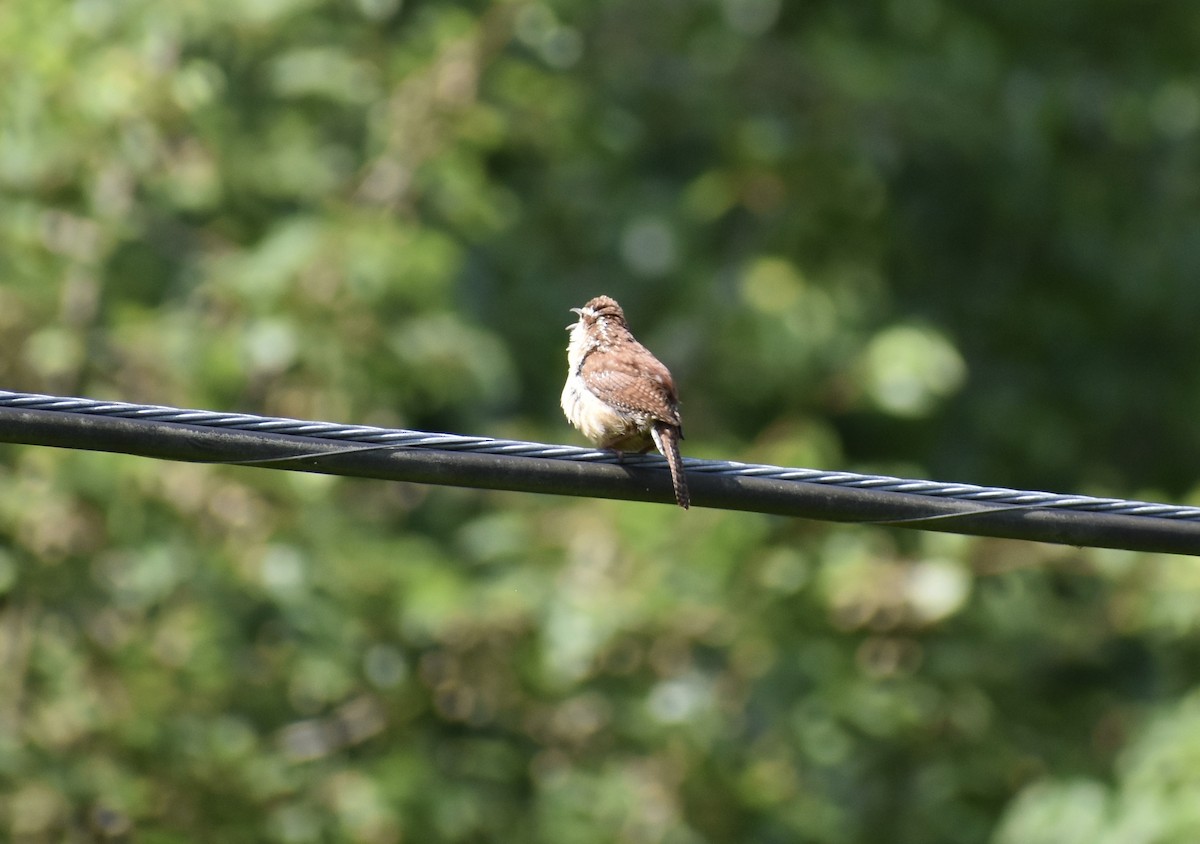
(955, 241)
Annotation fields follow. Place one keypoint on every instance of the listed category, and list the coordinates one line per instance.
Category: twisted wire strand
(408, 439)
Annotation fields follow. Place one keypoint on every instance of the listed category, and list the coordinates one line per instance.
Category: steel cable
(439, 458)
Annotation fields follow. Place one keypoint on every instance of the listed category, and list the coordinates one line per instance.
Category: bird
(618, 394)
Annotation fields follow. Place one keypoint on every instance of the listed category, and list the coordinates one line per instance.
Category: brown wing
(632, 379)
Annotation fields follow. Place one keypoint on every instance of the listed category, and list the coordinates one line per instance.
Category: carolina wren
(619, 394)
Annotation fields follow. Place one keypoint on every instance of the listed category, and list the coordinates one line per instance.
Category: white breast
(598, 422)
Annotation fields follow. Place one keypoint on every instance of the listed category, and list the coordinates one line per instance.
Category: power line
(205, 436)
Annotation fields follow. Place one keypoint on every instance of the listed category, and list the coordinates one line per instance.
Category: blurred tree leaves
(905, 236)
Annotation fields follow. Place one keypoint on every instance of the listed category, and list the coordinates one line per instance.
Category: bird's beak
(574, 311)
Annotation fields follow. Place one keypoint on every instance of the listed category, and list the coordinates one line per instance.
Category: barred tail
(666, 437)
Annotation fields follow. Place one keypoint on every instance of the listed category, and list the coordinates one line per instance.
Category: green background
(950, 240)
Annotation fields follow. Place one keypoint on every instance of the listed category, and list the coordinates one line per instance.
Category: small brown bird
(618, 393)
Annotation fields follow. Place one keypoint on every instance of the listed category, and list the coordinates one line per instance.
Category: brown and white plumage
(618, 393)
